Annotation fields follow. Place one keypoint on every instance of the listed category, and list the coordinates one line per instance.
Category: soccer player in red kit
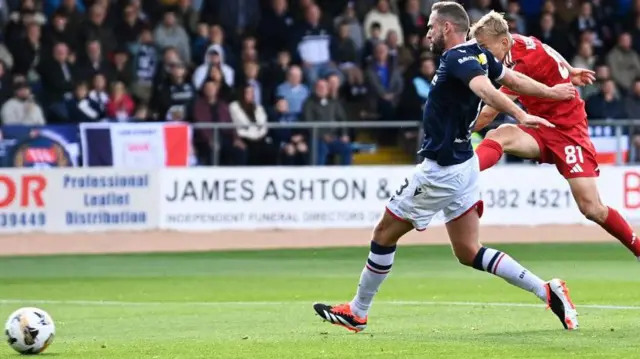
(567, 145)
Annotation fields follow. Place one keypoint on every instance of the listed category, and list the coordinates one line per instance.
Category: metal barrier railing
(618, 127)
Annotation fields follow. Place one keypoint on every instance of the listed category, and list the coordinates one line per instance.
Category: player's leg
(585, 192)
(353, 315)
(463, 226)
(508, 138)
(575, 159)
(386, 234)
(463, 233)
(396, 221)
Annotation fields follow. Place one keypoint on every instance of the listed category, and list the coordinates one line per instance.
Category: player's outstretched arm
(484, 89)
(525, 85)
(488, 114)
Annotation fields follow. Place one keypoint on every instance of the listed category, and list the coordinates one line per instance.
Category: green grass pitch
(258, 305)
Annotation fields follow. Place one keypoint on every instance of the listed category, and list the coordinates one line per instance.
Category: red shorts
(570, 149)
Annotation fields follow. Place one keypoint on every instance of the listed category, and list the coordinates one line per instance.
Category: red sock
(489, 153)
(619, 228)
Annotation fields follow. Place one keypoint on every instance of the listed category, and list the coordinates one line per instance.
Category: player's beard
(437, 45)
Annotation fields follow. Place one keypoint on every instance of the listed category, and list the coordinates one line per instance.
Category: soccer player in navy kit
(447, 179)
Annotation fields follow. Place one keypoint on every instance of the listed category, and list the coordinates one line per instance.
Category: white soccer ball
(29, 330)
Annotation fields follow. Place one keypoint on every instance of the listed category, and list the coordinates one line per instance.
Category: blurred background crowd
(249, 62)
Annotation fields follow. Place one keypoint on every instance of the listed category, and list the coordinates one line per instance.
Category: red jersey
(530, 57)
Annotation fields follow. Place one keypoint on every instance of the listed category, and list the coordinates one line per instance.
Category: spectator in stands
(58, 30)
(478, 10)
(399, 56)
(214, 58)
(346, 56)
(602, 74)
(145, 63)
(22, 109)
(251, 72)
(624, 62)
(225, 92)
(141, 114)
(335, 89)
(606, 104)
(275, 74)
(6, 83)
(170, 56)
(312, 45)
(412, 21)
(188, 16)
(98, 92)
(553, 36)
(28, 53)
(251, 119)
(120, 69)
(176, 95)
(28, 13)
(412, 44)
(170, 33)
(58, 76)
(6, 56)
(385, 87)
(120, 106)
(275, 25)
(72, 10)
(292, 143)
(128, 29)
(388, 20)
(350, 19)
(217, 41)
(94, 62)
(200, 43)
(372, 41)
(81, 108)
(513, 14)
(97, 28)
(417, 87)
(249, 52)
(584, 58)
(632, 101)
(319, 107)
(208, 108)
(238, 17)
(585, 21)
(294, 91)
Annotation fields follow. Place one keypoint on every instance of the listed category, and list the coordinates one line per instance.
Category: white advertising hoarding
(354, 197)
(78, 200)
(226, 198)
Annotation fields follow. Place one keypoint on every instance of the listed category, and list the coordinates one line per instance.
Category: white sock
(505, 267)
(375, 271)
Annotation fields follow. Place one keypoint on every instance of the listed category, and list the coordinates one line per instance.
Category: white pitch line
(217, 304)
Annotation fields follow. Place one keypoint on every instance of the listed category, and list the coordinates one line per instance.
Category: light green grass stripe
(275, 303)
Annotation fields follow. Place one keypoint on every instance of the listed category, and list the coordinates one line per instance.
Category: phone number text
(537, 198)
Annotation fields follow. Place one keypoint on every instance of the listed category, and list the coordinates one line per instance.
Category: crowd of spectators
(249, 62)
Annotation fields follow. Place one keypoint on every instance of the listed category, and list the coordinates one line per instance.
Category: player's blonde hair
(492, 24)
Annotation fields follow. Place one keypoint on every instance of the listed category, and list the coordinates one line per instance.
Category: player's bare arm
(483, 88)
(488, 114)
(525, 85)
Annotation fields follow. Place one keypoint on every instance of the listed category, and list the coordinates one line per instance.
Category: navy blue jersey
(452, 108)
